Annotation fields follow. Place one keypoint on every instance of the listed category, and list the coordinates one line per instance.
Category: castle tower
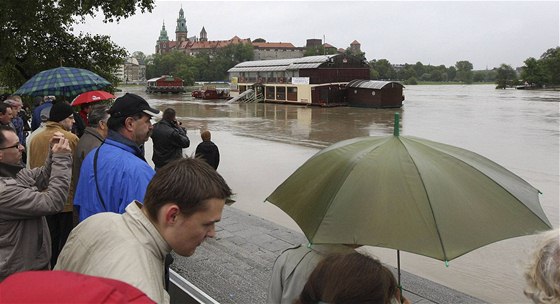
(162, 41)
(181, 29)
(203, 35)
(355, 47)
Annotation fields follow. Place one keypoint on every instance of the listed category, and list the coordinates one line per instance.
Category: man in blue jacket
(117, 173)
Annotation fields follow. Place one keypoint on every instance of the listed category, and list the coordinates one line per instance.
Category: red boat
(211, 92)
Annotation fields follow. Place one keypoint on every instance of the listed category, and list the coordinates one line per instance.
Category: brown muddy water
(262, 144)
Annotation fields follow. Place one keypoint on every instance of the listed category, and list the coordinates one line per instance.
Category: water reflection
(309, 126)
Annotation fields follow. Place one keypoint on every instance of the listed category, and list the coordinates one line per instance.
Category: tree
(140, 56)
(259, 40)
(37, 35)
(506, 76)
(382, 69)
(451, 73)
(318, 50)
(550, 64)
(464, 71)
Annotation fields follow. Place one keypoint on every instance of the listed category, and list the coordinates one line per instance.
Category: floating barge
(326, 80)
(165, 84)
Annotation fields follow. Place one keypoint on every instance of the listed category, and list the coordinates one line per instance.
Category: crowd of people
(81, 197)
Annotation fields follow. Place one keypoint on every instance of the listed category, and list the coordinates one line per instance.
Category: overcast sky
(486, 33)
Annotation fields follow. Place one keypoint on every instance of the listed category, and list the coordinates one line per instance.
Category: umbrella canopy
(91, 96)
(62, 81)
(409, 194)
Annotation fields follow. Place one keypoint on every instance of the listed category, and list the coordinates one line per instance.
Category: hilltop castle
(262, 50)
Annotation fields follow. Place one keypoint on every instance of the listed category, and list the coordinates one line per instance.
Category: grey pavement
(235, 267)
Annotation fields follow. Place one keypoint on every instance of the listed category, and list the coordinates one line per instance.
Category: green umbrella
(62, 81)
(409, 194)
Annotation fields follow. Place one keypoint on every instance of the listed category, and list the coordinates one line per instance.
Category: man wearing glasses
(25, 242)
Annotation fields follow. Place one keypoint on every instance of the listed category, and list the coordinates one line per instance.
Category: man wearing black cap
(117, 173)
(61, 119)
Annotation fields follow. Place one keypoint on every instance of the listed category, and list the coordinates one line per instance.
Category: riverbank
(235, 267)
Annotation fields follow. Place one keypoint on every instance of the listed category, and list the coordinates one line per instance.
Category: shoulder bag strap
(95, 175)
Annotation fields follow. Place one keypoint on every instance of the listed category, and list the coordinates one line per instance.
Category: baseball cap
(130, 104)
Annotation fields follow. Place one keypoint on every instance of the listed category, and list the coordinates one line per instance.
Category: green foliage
(318, 50)
(505, 76)
(543, 71)
(202, 67)
(464, 71)
(259, 40)
(382, 69)
(37, 35)
(411, 81)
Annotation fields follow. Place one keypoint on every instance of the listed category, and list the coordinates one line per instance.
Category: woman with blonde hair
(543, 273)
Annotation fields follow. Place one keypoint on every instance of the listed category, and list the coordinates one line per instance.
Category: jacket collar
(8, 170)
(138, 222)
(116, 136)
(93, 132)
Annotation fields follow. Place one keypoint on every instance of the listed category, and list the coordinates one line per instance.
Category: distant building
(195, 45)
(132, 71)
(261, 50)
(276, 50)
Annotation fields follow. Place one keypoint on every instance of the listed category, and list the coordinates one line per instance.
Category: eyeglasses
(14, 146)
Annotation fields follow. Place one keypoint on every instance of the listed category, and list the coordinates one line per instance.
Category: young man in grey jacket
(25, 199)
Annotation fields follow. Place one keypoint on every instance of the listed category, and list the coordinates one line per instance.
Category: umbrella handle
(396, 126)
(399, 258)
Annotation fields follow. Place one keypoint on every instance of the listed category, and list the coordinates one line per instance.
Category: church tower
(181, 29)
(203, 35)
(163, 40)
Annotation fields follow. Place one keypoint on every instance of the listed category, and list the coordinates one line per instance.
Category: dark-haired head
(349, 278)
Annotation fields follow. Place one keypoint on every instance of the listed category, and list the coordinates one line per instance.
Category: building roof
(309, 62)
(354, 42)
(273, 45)
(371, 84)
(165, 77)
(198, 45)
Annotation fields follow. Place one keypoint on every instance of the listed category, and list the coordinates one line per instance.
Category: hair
(117, 123)
(205, 135)
(4, 107)
(97, 114)
(2, 130)
(187, 182)
(169, 114)
(543, 271)
(349, 278)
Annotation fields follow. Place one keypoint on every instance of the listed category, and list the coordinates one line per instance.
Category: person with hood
(207, 150)
(169, 139)
(26, 197)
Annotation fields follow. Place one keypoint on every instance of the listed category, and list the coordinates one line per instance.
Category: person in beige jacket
(183, 202)
(25, 242)
(61, 119)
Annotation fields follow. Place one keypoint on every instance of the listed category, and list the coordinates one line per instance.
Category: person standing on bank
(207, 150)
(183, 203)
(116, 173)
(93, 136)
(169, 139)
(25, 200)
(60, 120)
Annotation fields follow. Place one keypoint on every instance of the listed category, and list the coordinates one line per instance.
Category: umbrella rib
(428, 196)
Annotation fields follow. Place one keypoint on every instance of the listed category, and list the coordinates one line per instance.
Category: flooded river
(262, 144)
